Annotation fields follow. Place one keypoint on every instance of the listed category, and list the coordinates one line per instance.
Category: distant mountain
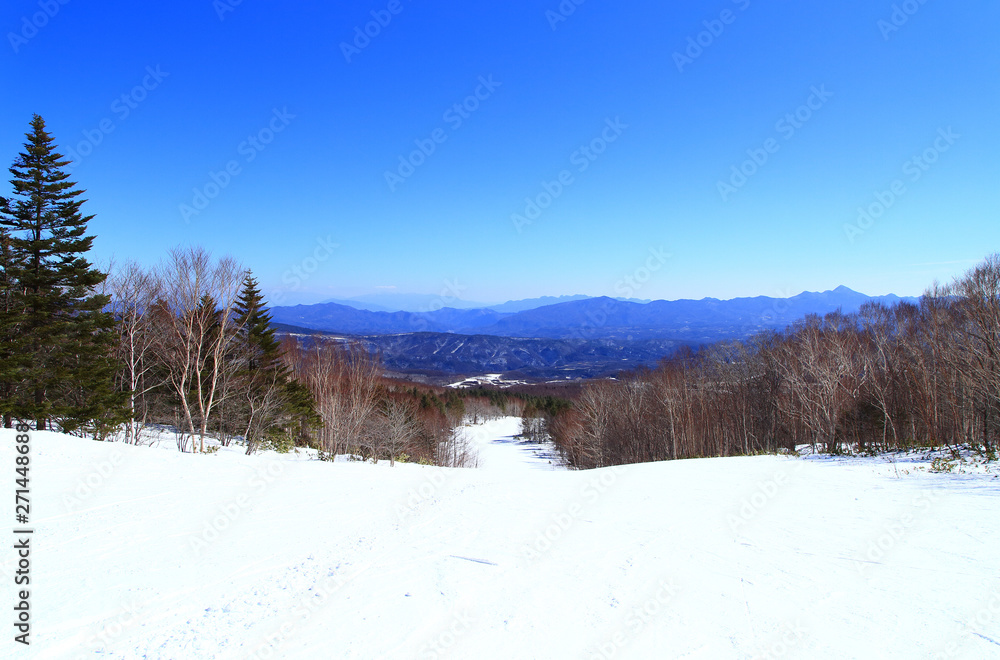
(689, 321)
(334, 317)
(416, 303)
(514, 306)
(406, 302)
(705, 320)
(356, 304)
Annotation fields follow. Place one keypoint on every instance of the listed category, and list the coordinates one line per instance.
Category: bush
(942, 464)
(279, 442)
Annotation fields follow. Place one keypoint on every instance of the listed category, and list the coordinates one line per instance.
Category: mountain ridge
(686, 320)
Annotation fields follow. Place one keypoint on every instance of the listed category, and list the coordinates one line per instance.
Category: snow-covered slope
(144, 553)
(498, 447)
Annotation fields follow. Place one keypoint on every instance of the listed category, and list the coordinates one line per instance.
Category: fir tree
(11, 359)
(264, 379)
(272, 400)
(61, 331)
(258, 334)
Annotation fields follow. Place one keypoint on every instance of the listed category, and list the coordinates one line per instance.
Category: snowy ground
(145, 553)
(494, 380)
(498, 448)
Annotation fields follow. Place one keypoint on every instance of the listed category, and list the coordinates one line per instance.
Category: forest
(885, 379)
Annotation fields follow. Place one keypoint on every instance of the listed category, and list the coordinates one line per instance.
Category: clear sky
(624, 120)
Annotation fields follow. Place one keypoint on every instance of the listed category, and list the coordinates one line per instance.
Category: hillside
(142, 553)
(442, 354)
(688, 321)
(532, 358)
(576, 338)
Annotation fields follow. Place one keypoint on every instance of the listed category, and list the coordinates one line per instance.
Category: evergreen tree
(62, 333)
(273, 403)
(252, 317)
(264, 380)
(11, 359)
(301, 409)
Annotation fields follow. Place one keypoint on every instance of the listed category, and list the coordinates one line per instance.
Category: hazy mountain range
(580, 317)
(420, 303)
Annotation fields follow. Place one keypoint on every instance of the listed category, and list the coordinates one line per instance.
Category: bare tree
(979, 293)
(457, 450)
(595, 407)
(820, 364)
(881, 361)
(133, 291)
(263, 400)
(396, 428)
(196, 316)
(344, 381)
(532, 425)
(479, 410)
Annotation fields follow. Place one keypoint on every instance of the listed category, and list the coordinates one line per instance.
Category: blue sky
(629, 122)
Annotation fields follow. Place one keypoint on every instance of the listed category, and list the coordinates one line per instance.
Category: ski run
(144, 552)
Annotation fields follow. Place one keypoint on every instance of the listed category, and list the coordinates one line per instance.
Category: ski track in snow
(748, 557)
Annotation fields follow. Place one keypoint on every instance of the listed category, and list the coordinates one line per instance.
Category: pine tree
(258, 334)
(263, 379)
(62, 332)
(11, 359)
(272, 400)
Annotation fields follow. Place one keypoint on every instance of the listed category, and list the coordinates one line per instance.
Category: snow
(142, 553)
(498, 447)
(486, 380)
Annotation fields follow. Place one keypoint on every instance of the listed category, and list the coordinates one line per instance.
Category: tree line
(187, 343)
(197, 350)
(86, 353)
(883, 379)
